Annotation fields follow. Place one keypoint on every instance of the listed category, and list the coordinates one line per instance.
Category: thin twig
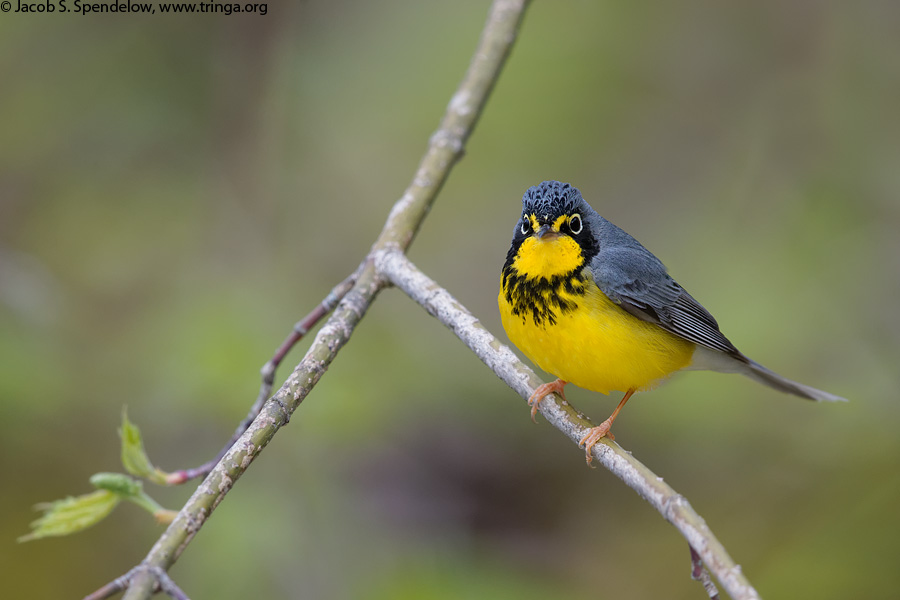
(166, 584)
(671, 505)
(699, 573)
(162, 583)
(444, 150)
(274, 414)
(113, 587)
(301, 328)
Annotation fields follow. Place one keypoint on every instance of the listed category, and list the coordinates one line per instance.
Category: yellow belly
(598, 346)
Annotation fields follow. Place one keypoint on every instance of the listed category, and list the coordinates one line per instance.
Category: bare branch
(671, 505)
(447, 143)
(301, 328)
(274, 414)
(445, 148)
(110, 589)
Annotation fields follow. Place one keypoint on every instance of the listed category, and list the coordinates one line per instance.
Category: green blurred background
(176, 191)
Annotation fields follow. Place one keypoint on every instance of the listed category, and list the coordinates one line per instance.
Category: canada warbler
(588, 303)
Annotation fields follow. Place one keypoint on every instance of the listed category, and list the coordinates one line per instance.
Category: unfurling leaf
(134, 457)
(118, 483)
(76, 513)
(72, 514)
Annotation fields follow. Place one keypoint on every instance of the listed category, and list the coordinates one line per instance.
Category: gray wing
(637, 281)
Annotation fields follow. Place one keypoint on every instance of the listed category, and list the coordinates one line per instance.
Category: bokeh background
(175, 191)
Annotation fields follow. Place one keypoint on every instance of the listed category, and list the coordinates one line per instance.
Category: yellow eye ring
(575, 224)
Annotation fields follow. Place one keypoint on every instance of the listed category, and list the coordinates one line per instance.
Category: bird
(586, 302)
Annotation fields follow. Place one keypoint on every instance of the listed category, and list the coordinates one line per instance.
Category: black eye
(525, 228)
(575, 224)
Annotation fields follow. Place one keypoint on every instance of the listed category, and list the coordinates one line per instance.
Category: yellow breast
(578, 334)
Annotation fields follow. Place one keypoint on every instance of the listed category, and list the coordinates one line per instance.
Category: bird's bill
(546, 232)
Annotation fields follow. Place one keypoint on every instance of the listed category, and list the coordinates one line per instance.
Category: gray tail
(772, 379)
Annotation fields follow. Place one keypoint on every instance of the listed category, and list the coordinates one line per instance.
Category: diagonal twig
(444, 150)
(671, 505)
(699, 573)
(301, 328)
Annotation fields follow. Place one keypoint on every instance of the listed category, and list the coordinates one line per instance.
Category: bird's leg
(595, 434)
(543, 390)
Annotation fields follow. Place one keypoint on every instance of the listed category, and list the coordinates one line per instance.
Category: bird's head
(553, 235)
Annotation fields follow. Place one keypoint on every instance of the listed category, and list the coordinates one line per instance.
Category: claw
(593, 436)
(542, 391)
